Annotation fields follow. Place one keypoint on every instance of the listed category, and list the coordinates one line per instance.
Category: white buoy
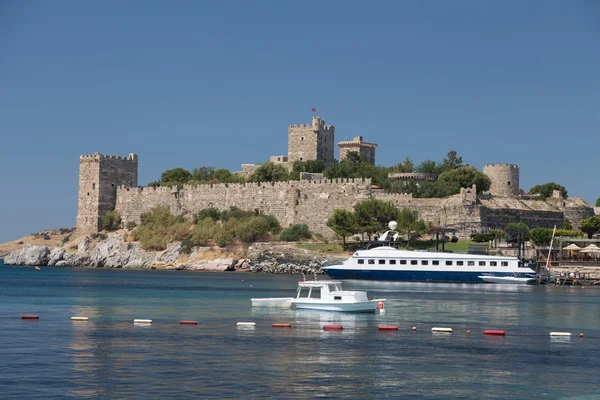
(79, 318)
(246, 324)
(443, 330)
(142, 321)
(560, 333)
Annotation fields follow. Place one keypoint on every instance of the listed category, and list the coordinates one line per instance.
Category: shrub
(111, 221)
(131, 225)
(223, 238)
(159, 227)
(20, 242)
(295, 233)
(99, 236)
(203, 233)
(46, 236)
(186, 246)
(211, 213)
(482, 237)
(236, 213)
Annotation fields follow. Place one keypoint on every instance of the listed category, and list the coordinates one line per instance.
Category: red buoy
(494, 332)
(29, 317)
(332, 327)
(281, 325)
(388, 328)
(188, 322)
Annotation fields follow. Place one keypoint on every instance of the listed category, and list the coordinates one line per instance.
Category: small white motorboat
(275, 302)
(329, 296)
(510, 280)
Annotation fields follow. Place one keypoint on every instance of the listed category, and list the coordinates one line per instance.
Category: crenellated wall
(293, 202)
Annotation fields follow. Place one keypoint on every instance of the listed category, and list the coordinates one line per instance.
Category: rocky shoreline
(115, 252)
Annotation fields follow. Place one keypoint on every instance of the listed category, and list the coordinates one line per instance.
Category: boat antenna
(303, 277)
(315, 273)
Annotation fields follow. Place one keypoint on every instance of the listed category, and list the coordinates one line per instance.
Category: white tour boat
(380, 260)
(324, 296)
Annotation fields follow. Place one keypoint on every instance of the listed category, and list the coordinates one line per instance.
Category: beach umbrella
(592, 248)
(572, 246)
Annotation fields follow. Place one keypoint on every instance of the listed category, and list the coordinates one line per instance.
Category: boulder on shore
(28, 255)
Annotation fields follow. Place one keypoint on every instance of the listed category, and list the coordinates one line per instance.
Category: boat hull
(409, 276)
(363, 306)
(273, 302)
(508, 280)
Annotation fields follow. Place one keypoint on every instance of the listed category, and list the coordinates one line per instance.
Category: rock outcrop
(115, 252)
(287, 259)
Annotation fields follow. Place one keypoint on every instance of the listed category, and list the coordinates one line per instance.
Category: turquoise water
(110, 357)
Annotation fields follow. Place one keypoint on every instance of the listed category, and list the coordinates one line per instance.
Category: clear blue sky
(192, 83)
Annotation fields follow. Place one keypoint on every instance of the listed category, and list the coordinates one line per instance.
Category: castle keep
(99, 178)
(109, 183)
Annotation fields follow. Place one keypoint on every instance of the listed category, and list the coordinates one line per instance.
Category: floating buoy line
(395, 328)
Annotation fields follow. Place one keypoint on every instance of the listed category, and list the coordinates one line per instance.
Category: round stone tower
(505, 179)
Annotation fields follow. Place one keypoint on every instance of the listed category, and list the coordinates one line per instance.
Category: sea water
(111, 357)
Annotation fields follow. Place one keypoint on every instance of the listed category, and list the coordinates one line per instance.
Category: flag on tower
(313, 109)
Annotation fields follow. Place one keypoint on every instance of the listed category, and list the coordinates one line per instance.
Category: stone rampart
(293, 202)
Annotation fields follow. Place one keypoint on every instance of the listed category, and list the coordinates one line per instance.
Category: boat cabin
(328, 291)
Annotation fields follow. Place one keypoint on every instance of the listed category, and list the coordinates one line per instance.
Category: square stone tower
(311, 142)
(99, 177)
(365, 149)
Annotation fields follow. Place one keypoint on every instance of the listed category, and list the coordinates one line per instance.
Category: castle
(110, 183)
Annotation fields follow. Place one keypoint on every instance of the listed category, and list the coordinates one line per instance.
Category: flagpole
(550, 250)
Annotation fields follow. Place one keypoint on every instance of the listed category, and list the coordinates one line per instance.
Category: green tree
(450, 182)
(452, 161)
(410, 224)
(175, 176)
(203, 174)
(269, 172)
(590, 225)
(311, 166)
(373, 215)
(111, 221)
(544, 191)
(428, 167)
(598, 202)
(295, 233)
(225, 176)
(406, 166)
(343, 222)
(540, 236)
(516, 232)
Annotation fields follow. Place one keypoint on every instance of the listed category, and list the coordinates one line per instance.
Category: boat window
(392, 262)
(493, 263)
(361, 261)
(303, 292)
(413, 262)
(337, 297)
(482, 263)
(460, 263)
(403, 262)
(371, 261)
(424, 262)
(470, 262)
(435, 262)
(505, 263)
(448, 262)
(381, 261)
(316, 293)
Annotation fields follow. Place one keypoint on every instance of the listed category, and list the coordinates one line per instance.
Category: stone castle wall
(99, 178)
(293, 202)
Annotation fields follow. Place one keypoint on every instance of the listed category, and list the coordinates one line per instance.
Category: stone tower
(505, 179)
(311, 142)
(99, 177)
(365, 149)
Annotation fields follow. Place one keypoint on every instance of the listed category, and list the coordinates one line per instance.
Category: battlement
(502, 165)
(98, 156)
(309, 126)
(285, 185)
